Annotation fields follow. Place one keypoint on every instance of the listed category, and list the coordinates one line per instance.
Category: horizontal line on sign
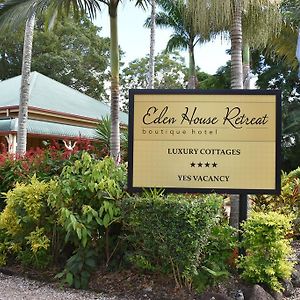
(201, 101)
(219, 141)
(173, 127)
(258, 128)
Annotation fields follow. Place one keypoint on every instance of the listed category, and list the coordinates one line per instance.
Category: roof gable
(48, 94)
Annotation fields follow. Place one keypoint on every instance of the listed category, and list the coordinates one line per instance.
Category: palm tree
(284, 44)
(236, 36)
(173, 15)
(5, 23)
(259, 25)
(12, 11)
(228, 14)
(152, 46)
(216, 15)
(25, 83)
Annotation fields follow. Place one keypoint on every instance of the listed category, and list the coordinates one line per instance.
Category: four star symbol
(204, 164)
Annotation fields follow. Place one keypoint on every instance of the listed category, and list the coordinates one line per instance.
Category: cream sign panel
(204, 141)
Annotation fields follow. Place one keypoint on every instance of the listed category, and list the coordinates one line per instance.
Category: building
(55, 111)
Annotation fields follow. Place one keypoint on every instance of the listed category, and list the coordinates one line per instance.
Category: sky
(134, 38)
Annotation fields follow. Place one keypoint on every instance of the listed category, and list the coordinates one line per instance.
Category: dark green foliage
(274, 73)
(85, 198)
(267, 249)
(170, 234)
(103, 131)
(220, 80)
(72, 53)
(79, 267)
(287, 202)
(218, 252)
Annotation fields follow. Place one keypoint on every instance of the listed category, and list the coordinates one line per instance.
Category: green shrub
(26, 223)
(68, 218)
(219, 250)
(267, 249)
(43, 163)
(289, 199)
(170, 234)
(85, 198)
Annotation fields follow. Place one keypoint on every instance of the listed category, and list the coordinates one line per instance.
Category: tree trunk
(152, 47)
(246, 66)
(193, 82)
(236, 83)
(25, 82)
(236, 47)
(114, 66)
(234, 211)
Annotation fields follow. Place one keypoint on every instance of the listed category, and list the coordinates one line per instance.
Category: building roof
(49, 129)
(48, 94)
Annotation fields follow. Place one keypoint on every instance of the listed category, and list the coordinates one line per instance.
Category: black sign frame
(276, 93)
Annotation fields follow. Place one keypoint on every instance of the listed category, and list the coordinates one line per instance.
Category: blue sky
(134, 39)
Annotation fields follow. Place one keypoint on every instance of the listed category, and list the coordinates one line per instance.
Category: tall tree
(12, 10)
(224, 15)
(260, 25)
(170, 72)
(72, 53)
(228, 14)
(25, 83)
(275, 73)
(152, 46)
(284, 45)
(174, 16)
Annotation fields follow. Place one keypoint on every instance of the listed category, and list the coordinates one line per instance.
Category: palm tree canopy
(260, 23)
(284, 44)
(173, 15)
(15, 12)
(259, 16)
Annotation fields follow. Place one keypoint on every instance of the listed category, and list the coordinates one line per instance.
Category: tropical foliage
(72, 53)
(268, 249)
(174, 15)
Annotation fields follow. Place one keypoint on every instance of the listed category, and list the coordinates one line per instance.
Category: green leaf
(69, 279)
(91, 262)
(84, 237)
(78, 231)
(106, 220)
(59, 275)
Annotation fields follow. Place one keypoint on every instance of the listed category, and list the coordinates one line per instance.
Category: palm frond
(142, 3)
(103, 131)
(284, 45)
(13, 13)
(260, 23)
(177, 42)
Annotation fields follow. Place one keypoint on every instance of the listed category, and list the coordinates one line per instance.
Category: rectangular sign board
(205, 141)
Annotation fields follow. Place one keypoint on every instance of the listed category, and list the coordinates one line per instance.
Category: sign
(203, 141)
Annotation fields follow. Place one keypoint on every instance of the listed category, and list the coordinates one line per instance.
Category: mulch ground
(133, 285)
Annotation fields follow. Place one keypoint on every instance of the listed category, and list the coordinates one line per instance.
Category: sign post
(205, 141)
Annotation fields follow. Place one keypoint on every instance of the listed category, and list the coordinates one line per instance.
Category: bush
(27, 224)
(85, 198)
(68, 218)
(222, 242)
(267, 249)
(170, 234)
(289, 199)
(44, 163)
